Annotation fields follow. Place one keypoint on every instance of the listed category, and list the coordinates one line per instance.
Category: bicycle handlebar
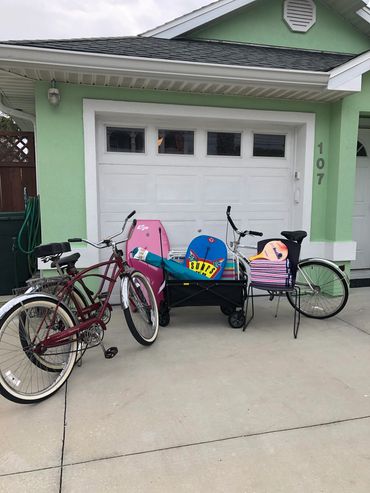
(240, 233)
(107, 241)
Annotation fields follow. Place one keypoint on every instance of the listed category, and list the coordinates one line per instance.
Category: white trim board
(303, 123)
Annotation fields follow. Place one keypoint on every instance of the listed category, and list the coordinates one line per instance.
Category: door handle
(297, 196)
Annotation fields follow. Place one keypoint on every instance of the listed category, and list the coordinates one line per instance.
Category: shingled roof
(206, 52)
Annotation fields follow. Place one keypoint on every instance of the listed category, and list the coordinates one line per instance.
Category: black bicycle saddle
(297, 236)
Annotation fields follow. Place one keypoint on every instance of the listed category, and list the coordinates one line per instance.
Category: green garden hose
(31, 226)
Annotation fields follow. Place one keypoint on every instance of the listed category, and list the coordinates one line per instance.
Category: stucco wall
(60, 155)
(263, 23)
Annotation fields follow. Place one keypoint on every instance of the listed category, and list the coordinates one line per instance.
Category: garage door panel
(118, 188)
(223, 189)
(215, 227)
(181, 231)
(269, 190)
(190, 193)
(270, 225)
(176, 189)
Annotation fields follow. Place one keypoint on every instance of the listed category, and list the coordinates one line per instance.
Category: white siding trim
(304, 123)
(338, 251)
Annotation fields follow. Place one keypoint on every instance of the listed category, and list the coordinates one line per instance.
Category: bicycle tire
(24, 337)
(24, 379)
(142, 312)
(329, 292)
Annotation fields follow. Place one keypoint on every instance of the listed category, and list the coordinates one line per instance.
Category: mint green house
(263, 105)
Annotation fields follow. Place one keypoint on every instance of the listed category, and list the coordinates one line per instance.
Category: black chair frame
(293, 256)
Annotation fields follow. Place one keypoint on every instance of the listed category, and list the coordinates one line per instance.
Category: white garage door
(186, 175)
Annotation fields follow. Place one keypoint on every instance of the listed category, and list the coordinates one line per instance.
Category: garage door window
(269, 145)
(223, 144)
(125, 139)
(175, 141)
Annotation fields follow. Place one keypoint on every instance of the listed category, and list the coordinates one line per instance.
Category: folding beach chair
(274, 284)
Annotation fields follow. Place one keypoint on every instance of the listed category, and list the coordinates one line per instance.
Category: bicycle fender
(327, 262)
(124, 292)
(18, 299)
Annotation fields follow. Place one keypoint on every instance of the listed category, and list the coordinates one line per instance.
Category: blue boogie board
(206, 255)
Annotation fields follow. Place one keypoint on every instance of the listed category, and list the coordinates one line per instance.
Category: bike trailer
(195, 279)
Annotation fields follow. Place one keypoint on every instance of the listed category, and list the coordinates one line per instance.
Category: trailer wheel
(164, 318)
(227, 309)
(237, 319)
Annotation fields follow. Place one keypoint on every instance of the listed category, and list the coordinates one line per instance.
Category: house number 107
(320, 165)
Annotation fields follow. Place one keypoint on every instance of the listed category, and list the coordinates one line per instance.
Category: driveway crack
(63, 438)
(220, 440)
(354, 326)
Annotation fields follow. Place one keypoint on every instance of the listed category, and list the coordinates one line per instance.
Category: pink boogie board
(146, 235)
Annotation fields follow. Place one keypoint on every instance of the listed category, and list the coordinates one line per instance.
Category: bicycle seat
(66, 261)
(297, 236)
(51, 249)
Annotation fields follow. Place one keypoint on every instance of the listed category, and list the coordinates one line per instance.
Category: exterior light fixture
(53, 94)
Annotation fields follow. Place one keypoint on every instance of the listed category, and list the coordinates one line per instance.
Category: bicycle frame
(120, 269)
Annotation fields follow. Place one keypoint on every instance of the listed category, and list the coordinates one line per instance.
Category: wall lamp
(53, 94)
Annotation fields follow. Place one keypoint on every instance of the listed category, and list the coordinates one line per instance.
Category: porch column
(341, 170)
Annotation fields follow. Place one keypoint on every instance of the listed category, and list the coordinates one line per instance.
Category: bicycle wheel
(74, 300)
(142, 312)
(26, 376)
(323, 289)
(25, 335)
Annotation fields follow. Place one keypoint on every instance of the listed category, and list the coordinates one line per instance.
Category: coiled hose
(30, 232)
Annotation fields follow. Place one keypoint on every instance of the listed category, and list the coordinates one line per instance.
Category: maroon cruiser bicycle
(43, 335)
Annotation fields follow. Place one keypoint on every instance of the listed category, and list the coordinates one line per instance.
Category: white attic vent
(300, 15)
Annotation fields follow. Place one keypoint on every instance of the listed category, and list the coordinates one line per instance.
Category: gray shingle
(213, 52)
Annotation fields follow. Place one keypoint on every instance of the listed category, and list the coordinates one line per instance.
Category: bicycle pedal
(110, 352)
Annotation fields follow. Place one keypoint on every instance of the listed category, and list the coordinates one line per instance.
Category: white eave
(21, 67)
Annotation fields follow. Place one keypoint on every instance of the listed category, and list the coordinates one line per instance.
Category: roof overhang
(354, 10)
(21, 67)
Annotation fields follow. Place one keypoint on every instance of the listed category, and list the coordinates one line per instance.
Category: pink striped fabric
(272, 273)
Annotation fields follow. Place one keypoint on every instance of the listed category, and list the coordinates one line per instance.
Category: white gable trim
(364, 14)
(217, 9)
(350, 74)
(196, 18)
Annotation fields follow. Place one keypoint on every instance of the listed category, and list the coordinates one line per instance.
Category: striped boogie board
(229, 273)
(206, 255)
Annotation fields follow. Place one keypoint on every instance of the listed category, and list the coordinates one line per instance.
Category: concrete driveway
(207, 408)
